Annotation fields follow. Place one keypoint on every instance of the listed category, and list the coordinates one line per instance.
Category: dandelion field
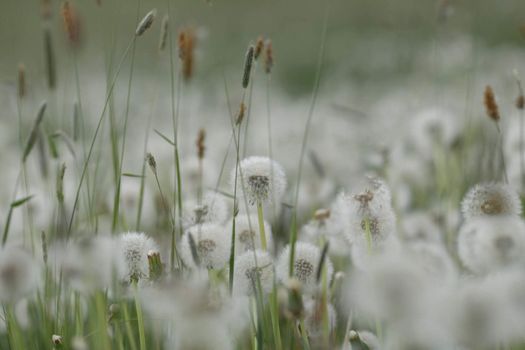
(262, 175)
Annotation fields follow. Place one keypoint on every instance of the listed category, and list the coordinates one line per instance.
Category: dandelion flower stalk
(260, 216)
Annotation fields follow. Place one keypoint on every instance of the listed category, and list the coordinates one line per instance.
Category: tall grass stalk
(177, 199)
(93, 140)
(315, 92)
(116, 201)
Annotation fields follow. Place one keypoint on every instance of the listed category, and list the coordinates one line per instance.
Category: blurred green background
(226, 27)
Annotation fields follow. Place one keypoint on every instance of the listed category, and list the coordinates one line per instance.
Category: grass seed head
(491, 105)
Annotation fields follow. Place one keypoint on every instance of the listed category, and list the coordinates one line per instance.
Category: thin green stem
(260, 216)
(97, 129)
(315, 92)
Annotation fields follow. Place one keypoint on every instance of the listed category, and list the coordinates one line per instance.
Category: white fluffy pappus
(369, 207)
(314, 315)
(248, 267)
(330, 230)
(487, 244)
(263, 179)
(88, 263)
(212, 209)
(212, 246)
(247, 234)
(306, 263)
(19, 274)
(420, 226)
(489, 199)
(135, 247)
(434, 259)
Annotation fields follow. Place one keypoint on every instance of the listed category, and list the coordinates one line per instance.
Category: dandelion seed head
(88, 263)
(487, 244)
(212, 246)
(490, 199)
(248, 267)
(306, 263)
(264, 179)
(314, 316)
(420, 227)
(247, 234)
(19, 274)
(212, 209)
(434, 259)
(135, 247)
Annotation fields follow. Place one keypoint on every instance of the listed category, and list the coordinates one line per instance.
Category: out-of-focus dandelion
(487, 244)
(212, 246)
(490, 199)
(249, 267)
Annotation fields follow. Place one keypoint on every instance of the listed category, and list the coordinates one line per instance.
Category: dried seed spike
(200, 143)
(34, 131)
(46, 9)
(248, 63)
(71, 23)
(259, 46)
(490, 104)
(268, 57)
(146, 22)
(186, 44)
(21, 80)
(60, 183)
(163, 32)
(240, 116)
(151, 162)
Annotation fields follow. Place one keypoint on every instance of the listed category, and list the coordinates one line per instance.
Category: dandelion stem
(140, 320)
(260, 216)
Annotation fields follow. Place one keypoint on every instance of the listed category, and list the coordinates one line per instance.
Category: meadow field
(241, 174)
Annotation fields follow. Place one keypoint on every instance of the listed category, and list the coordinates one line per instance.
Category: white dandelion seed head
(306, 263)
(420, 227)
(19, 274)
(489, 199)
(135, 247)
(368, 338)
(250, 266)
(434, 259)
(486, 313)
(212, 209)
(487, 244)
(264, 179)
(247, 234)
(330, 230)
(431, 127)
(314, 315)
(369, 208)
(391, 287)
(89, 263)
(212, 245)
(362, 254)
